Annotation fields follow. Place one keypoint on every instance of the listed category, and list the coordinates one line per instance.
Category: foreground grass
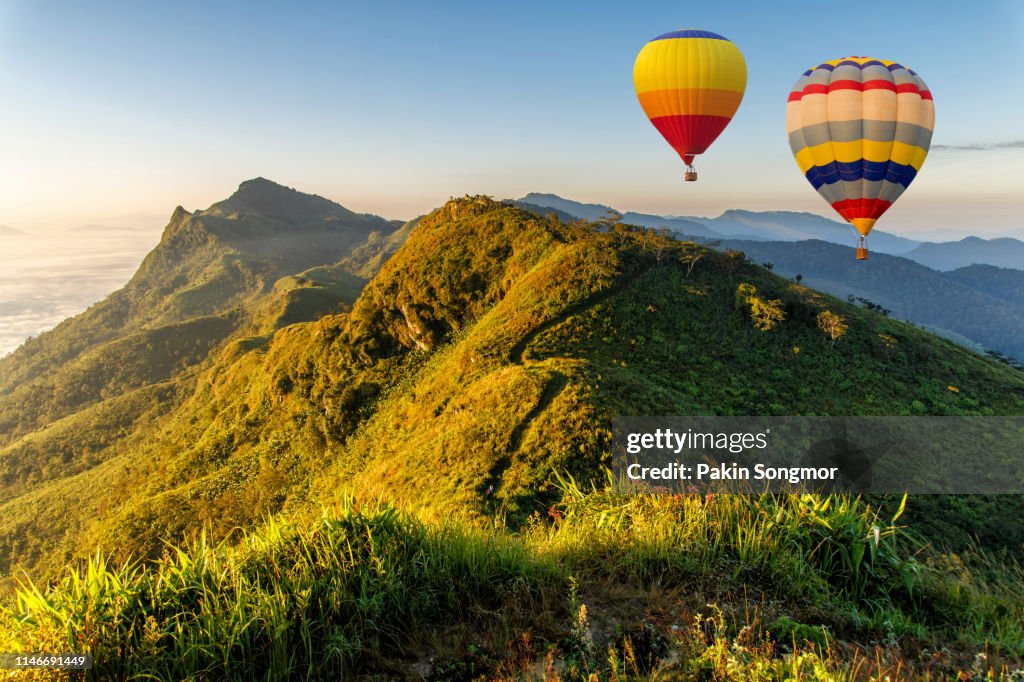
(603, 587)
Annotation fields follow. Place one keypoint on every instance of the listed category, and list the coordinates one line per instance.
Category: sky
(115, 113)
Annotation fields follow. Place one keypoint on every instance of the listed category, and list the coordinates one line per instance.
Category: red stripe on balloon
(912, 88)
(813, 89)
(691, 133)
(877, 84)
(861, 208)
(820, 89)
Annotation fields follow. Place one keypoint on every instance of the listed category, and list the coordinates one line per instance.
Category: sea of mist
(46, 278)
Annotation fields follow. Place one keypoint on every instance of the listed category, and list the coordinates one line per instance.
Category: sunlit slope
(490, 349)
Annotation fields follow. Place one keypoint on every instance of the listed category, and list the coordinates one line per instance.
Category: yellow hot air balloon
(860, 130)
(690, 84)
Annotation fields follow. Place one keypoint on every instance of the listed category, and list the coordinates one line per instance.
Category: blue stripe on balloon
(689, 33)
(860, 170)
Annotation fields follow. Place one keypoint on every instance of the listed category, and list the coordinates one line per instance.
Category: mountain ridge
(800, 226)
(487, 351)
(732, 223)
(1006, 252)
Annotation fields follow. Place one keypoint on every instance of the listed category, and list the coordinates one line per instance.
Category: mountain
(685, 226)
(1004, 252)
(8, 231)
(574, 208)
(489, 349)
(543, 210)
(977, 306)
(791, 226)
(266, 257)
(736, 224)
(1006, 284)
(416, 458)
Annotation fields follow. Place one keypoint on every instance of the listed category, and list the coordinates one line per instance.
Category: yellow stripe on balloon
(869, 150)
(692, 60)
(683, 101)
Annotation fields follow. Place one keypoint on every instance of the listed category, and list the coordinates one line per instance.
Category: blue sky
(117, 112)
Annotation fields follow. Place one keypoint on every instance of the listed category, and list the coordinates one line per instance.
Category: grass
(605, 587)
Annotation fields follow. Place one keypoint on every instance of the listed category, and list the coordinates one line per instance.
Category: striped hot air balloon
(860, 130)
(690, 84)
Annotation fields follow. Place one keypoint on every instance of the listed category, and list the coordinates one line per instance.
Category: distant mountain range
(575, 209)
(952, 288)
(1004, 252)
(8, 231)
(793, 226)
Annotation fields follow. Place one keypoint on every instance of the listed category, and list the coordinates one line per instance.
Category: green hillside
(488, 353)
(978, 303)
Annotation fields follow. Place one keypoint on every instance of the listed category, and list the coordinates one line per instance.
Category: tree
(689, 255)
(744, 292)
(834, 326)
(766, 314)
(799, 278)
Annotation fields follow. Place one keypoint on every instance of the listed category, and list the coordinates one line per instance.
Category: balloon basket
(690, 175)
(862, 249)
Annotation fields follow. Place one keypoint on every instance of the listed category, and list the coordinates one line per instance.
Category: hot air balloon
(860, 130)
(690, 84)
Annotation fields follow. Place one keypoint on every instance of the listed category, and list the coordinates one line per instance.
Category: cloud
(1010, 144)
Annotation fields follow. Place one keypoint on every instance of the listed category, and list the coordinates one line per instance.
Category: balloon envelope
(690, 84)
(860, 129)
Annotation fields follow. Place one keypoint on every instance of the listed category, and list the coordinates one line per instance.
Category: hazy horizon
(47, 278)
(157, 221)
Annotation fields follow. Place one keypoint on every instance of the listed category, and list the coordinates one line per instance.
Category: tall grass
(810, 545)
(288, 602)
(370, 588)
